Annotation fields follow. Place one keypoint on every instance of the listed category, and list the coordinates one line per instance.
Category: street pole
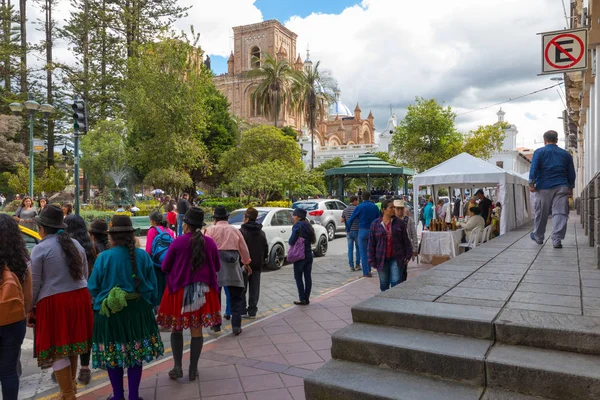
(31, 154)
(76, 166)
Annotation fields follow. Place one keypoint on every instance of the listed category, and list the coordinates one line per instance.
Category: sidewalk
(271, 357)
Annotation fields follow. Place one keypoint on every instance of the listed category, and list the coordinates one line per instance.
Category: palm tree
(313, 92)
(274, 92)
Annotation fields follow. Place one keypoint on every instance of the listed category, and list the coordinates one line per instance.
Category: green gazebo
(367, 166)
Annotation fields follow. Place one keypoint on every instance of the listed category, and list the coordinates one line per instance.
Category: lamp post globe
(47, 109)
(32, 106)
(16, 108)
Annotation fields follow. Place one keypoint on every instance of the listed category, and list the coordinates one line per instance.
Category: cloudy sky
(467, 54)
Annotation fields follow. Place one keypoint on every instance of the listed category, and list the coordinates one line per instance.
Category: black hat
(480, 191)
(220, 212)
(99, 226)
(194, 217)
(120, 223)
(52, 216)
(299, 212)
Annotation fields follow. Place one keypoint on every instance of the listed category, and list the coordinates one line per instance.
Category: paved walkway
(271, 357)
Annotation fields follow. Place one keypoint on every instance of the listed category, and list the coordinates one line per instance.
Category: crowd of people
(94, 298)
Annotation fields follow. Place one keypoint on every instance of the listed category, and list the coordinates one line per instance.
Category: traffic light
(80, 117)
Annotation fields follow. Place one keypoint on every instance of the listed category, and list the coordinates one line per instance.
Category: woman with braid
(63, 313)
(77, 229)
(123, 285)
(191, 298)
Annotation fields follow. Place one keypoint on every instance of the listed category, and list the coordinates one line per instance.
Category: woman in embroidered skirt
(123, 285)
(77, 229)
(191, 299)
(63, 314)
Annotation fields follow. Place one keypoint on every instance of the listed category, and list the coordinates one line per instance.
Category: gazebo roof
(369, 164)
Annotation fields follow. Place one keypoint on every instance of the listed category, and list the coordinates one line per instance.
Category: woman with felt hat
(63, 316)
(123, 285)
(99, 235)
(191, 298)
(303, 232)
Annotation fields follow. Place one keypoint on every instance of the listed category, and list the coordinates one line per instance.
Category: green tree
(426, 136)
(485, 140)
(104, 151)
(165, 99)
(266, 179)
(274, 91)
(168, 179)
(52, 181)
(9, 44)
(259, 145)
(290, 132)
(18, 182)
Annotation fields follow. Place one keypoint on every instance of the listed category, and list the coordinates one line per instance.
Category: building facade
(342, 133)
(509, 157)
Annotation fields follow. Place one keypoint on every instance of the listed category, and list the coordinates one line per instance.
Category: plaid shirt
(402, 247)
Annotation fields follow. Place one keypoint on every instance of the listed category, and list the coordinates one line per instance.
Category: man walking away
(182, 207)
(390, 248)
(366, 213)
(552, 178)
(352, 235)
(256, 240)
(232, 247)
(485, 206)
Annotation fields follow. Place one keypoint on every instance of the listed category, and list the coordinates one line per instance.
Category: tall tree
(427, 135)
(10, 47)
(485, 140)
(274, 91)
(23, 24)
(166, 106)
(313, 92)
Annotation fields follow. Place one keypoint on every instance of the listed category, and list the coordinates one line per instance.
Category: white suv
(327, 212)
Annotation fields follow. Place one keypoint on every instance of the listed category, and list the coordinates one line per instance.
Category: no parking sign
(564, 51)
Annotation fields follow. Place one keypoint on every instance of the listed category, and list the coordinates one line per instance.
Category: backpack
(160, 245)
(12, 299)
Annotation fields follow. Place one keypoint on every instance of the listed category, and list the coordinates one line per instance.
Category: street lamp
(31, 106)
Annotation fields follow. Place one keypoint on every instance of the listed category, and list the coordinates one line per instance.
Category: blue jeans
(11, 338)
(363, 244)
(227, 301)
(303, 268)
(352, 237)
(179, 224)
(390, 273)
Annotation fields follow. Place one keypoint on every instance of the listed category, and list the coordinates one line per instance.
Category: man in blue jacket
(366, 213)
(552, 178)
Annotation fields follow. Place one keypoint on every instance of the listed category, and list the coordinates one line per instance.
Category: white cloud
(465, 53)
(214, 20)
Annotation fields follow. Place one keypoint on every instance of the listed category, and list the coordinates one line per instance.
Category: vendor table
(444, 243)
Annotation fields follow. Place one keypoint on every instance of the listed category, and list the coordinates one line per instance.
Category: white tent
(467, 172)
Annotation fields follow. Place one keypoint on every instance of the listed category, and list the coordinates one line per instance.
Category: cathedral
(342, 132)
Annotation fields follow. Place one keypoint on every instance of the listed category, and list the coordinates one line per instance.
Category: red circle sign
(574, 60)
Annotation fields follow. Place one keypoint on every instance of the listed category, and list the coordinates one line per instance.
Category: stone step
(447, 356)
(465, 320)
(539, 372)
(351, 381)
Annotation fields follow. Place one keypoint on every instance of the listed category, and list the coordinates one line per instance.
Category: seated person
(496, 214)
(475, 221)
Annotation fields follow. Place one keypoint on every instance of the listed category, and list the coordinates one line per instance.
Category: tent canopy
(464, 171)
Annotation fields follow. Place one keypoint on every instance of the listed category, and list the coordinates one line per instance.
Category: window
(340, 205)
(331, 205)
(282, 218)
(255, 57)
(500, 164)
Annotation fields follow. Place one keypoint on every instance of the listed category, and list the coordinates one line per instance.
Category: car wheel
(276, 257)
(322, 246)
(330, 231)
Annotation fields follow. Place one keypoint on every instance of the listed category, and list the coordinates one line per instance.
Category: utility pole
(79, 124)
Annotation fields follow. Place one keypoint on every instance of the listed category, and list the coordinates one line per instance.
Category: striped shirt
(347, 213)
(50, 272)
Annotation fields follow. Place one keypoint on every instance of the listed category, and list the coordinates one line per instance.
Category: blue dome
(339, 108)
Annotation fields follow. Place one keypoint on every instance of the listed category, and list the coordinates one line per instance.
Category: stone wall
(589, 210)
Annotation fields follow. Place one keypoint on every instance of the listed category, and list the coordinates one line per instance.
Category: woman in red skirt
(63, 306)
(191, 298)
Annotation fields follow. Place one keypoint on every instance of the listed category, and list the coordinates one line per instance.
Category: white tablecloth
(440, 243)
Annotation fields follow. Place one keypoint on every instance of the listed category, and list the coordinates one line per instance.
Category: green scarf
(116, 301)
